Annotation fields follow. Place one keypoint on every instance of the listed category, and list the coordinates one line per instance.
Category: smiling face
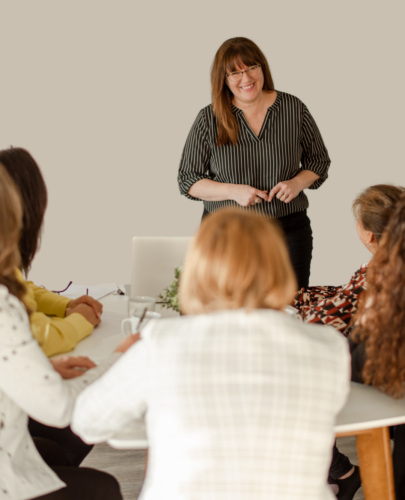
(248, 88)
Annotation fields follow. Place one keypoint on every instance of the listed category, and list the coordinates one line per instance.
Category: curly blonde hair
(381, 315)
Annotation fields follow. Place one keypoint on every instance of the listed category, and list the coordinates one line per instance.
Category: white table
(367, 415)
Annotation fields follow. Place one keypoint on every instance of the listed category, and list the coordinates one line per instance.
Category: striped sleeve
(314, 153)
(195, 160)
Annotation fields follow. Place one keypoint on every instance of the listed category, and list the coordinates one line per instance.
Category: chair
(153, 262)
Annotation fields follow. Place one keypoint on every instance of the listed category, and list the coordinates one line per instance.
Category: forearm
(305, 179)
(58, 335)
(48, 302)
(209, 190)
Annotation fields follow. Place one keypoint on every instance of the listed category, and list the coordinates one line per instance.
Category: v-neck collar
(271, 109)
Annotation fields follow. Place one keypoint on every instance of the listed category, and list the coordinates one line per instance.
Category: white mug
(133, 322)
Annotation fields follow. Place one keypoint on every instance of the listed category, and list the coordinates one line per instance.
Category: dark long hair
(232, 53)
(28, 179)
(10, 228)
(381, 316)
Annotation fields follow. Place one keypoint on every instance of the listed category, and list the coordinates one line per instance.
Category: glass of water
(136, 305)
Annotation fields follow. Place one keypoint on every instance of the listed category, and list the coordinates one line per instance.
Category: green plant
(169, 296)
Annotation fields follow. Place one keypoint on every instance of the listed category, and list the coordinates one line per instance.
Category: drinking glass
(136, 305)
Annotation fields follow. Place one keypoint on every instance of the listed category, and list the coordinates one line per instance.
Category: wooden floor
(129, 466)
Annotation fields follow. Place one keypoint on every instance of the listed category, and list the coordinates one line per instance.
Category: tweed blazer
(29, 386)
(238, 405)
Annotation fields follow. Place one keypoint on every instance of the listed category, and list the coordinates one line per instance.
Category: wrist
(230, 191)
(306, 178)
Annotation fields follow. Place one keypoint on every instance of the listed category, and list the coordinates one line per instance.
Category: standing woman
(255, 147)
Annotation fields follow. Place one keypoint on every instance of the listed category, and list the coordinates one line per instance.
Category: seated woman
(31, 385)
(239, 398)
(336, 305)
(378, 343)
(57, 323)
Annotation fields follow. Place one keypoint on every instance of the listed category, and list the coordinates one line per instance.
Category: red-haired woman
(255, 147)
(378, 344)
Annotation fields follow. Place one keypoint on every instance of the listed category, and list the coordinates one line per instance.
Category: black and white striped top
(288, 142)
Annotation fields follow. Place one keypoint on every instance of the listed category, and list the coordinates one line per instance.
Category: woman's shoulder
(205, 121)
(206, 114)
(13, 317)
(8, 302)
(285, 97)
(289, 103)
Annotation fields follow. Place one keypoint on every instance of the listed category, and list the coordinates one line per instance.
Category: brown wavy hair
(28, 179)
(381, 316)
(233, 53)
(375, 205)
(10, 228)
(236, 260)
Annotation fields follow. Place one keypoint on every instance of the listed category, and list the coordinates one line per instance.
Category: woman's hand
(72, 366)
(86, 299)
(288, 190)
(247, 195)
(86, 311)
(127, 342)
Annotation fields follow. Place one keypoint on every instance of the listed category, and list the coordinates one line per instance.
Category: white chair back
(153, 262)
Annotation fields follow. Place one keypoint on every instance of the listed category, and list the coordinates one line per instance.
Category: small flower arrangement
(169, 297)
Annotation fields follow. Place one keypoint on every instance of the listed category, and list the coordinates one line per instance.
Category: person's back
(239, 405)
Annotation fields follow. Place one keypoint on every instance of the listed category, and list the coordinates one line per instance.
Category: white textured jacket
(29, 386)
(237, 405)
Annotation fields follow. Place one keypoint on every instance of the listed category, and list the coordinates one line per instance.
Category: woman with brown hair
(57, 322)
(30, 384)
(239, 398)
(255, 147)
(336, 305)
(378, 343)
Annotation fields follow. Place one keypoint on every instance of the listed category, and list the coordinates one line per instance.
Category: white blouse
(29, 386)
(237, 405)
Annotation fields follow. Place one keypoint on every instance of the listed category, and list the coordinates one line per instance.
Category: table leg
(146, 465)
(373, 449)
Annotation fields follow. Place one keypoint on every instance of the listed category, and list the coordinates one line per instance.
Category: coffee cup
(131, 325)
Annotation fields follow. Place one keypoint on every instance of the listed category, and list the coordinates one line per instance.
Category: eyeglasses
(237, 75)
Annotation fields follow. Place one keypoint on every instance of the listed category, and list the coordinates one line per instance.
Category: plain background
(103, 95)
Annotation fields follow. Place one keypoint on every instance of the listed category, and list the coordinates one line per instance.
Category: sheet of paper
(97, 291)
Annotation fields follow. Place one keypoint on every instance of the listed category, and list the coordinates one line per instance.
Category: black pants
(73, 447)
(340, 464)
(298, 235)
(81, 483)
(398, 461)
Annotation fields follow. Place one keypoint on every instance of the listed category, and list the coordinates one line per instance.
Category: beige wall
(103, 95)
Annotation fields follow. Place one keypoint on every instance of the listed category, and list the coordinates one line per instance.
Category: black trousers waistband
(288, 222)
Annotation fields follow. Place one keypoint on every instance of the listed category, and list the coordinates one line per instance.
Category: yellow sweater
(54, 333)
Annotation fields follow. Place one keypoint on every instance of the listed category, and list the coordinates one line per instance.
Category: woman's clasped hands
(285, 191)
(246, 195)
(91, 309)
